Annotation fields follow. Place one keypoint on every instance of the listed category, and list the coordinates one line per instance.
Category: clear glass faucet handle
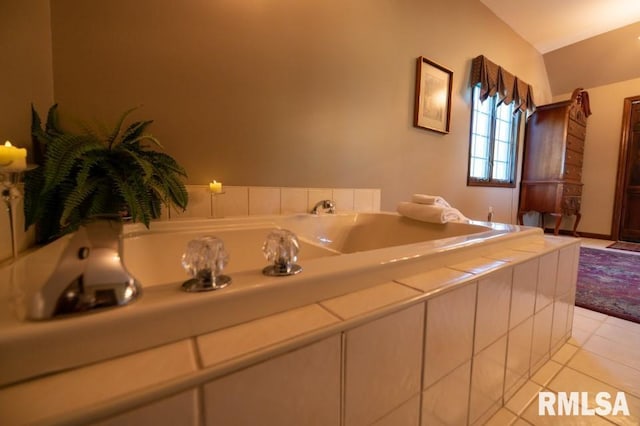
(205, 255)
(281, 247)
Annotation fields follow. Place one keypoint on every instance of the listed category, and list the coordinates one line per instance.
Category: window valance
(494, 80)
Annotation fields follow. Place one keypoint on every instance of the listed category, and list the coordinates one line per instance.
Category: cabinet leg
(575, 225)
(556, 230)
(520, 218)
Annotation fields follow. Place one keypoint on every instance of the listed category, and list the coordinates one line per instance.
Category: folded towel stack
(429, 208)
(429, 200)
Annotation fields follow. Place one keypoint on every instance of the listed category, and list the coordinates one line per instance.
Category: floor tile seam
(568, 359)
(590, 333)
(529, 401)
(542, 389)
(626, 346)
(631, 325)
(614, 386)
(607, 358)
(511, 412)
(633, 329)
(484, 413)
(577, 343)
(586, 327)
(581, 315)
(553, 376)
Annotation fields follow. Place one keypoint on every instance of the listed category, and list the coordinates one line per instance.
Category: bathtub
(340, 254)
(385, 237)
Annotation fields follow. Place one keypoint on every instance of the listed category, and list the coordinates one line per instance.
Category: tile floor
(603, 355)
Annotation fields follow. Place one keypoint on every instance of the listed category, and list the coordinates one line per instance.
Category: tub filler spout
(327, 205)
(90, 273)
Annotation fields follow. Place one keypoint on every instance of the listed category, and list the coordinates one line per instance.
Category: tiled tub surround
(237, 201)
(442, 332)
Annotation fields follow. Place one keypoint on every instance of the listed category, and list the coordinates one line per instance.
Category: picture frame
(433, 96)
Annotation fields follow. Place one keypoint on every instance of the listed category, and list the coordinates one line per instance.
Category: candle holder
(11, 195)
(217, 209)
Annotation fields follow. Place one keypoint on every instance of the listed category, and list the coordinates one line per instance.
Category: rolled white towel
(430, 213)
(429, 200)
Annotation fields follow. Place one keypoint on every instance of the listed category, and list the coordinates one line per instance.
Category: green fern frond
(76, 198)
(176, 192)
(146, 138)
(139, 162)
(128, 194)
(62, 156)
(53, 123)
(39, 137)
(134, 131)
(112, 138)
(99, 203)
(91, 160)
(33, 200)
(165, 163)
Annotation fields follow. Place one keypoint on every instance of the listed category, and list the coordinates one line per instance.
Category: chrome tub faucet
(327, 205)
(90, 273)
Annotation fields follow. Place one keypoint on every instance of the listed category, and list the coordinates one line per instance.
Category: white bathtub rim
(167, 306)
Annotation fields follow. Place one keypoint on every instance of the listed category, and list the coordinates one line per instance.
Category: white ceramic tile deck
(375, 372)
(33, 401)
(601, 356)
(226, 344)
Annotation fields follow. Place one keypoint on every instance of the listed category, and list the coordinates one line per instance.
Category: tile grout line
(605, 357)
(473, 344)
(423, 360)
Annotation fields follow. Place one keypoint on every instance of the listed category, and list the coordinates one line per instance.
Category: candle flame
(7, 144)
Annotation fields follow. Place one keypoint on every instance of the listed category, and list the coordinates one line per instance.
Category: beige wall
(597, 61)
(291, 92)
(25, 77)
(602, 147)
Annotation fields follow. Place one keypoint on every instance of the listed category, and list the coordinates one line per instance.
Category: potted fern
(88, 172)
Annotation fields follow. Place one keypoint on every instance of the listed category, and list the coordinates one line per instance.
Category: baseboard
(569, 233)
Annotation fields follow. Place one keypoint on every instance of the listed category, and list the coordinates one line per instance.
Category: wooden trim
(569, 233)
(622, 167)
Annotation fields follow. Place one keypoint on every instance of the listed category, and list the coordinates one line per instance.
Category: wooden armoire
(552, 164)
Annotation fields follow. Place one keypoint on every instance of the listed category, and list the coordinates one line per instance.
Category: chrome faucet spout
(327, 205)
(90, 273)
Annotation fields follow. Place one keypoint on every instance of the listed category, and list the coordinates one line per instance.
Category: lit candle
(215, 187)
(12, 158)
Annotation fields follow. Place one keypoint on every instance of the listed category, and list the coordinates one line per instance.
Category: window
(494, 141)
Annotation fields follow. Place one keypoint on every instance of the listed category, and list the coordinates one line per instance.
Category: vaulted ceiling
(585, 43)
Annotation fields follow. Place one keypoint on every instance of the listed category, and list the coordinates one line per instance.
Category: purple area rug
(609, 282)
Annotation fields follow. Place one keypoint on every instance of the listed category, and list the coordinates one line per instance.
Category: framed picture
(433, 96)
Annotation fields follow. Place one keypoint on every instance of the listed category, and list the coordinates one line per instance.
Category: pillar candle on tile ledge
(215, 187)
(12, 158)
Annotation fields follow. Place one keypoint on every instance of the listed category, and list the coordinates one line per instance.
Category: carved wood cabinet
(552, 163)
